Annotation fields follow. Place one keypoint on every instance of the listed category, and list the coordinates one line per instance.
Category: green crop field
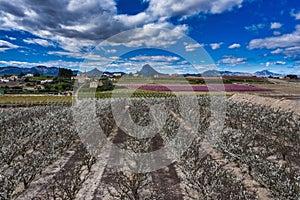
(33, 100)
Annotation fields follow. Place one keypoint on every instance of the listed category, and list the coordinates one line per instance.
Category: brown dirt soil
(282, 104)
(280, 88)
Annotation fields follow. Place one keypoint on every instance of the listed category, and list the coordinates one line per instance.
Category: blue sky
(238, 35)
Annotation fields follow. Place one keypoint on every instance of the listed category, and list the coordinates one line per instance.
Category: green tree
(65, 73)
(36, 74)
(21, 74)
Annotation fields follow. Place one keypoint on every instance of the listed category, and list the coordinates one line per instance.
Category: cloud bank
(76, 24)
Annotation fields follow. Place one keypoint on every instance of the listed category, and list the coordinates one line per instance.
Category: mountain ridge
(146, 70)
(266, 73)
(43, 70)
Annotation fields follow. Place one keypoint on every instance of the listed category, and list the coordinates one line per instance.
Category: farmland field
(255, 156)
(149, 100)
(198, 88)
(25, 100)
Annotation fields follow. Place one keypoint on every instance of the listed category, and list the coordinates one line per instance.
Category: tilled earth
(256, 156)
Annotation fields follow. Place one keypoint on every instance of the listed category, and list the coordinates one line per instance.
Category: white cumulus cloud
(215, 46)
(295, 14)
(234, 46)
(255, 27)
(42, 42)
(56, 63)
(4, 45)
(151, 35)
(277, 51)
(192, 47)
(232, 61)
(79, 24)
(280, 63)
(156, 58)
(276, 33)
(283, 41)
(184, 8)
(275, 25)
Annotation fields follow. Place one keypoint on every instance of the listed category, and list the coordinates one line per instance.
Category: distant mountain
(48, 71)
(224, 73)
(229, 73)
(147, 71)
(266, 73)
(10, 70)
(43, 70)
(211, 73)
(95, 72)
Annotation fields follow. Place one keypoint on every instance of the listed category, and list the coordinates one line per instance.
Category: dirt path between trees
(282, 104)
(38, 186)
(248, 181)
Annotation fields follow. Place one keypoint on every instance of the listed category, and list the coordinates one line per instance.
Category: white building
(13, 78)
(117, 74)
(28, 75)
(4, 81)
(82, 78)
(46, 81)
(94, 84)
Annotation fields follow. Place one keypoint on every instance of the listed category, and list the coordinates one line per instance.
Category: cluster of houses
(14, 81)
(287, 77)
(94, 82)
(8, 79)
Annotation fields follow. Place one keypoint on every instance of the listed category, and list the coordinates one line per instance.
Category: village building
(46, 81)
(3, 80)
(28, 75)
(94, 84)
(117, 74)
(83, 78)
